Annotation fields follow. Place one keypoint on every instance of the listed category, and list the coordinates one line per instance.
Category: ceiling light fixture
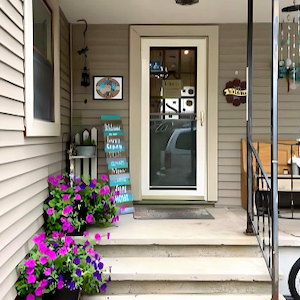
(187, 2)
(186, 52)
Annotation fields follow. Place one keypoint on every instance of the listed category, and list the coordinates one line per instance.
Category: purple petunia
(78, 272)
(65, 197)
(77, 180)
(93, 195)
(82, 186)
(97, 275)
(50, 211)
(103, 287)
(76, 261)
(72, 285)
(72, 176)
(60, 278)
(88, 260)
(31, 278)
(100, 265)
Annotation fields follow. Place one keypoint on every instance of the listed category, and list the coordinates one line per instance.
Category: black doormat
(171, 212)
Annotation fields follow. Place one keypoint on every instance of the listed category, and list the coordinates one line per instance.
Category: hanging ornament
(85, 75)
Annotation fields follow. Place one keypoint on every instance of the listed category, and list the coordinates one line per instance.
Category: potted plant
(100, 203)
(59, 268)
(65, 209)
(88, 148)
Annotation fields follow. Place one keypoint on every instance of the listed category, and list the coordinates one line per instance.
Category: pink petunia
(63, 250)
(51, 179)
(47, 271)
(77, 189)
(75, 250)
(111, 198)
(68, 241)
(67, 209)
(104, 177)
(43, 283)
(77, 197)
(108, 235)
(30, 297)
(105, 190)
(117, 193)
(31, 278)
(71, 229)
(86, 233)
(39, 291)
(91, 252)
(63, 187)
(50, 211)
(89, 218)
(43, 247)
(39, 238)
(77, 180)
(29, 271)
(51, 254)
(43, 260)
(30, 263)
(65, 197)
(59, 177)
(60, 285)
(97, 237)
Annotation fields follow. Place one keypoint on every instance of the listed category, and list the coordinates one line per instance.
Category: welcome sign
(115, 152)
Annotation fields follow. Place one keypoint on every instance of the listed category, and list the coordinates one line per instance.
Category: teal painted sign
(124, 198)
(109, 148)
(119, 179)
(111, 117)
(117, 163)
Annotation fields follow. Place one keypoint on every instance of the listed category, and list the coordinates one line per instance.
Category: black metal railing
(260, 212)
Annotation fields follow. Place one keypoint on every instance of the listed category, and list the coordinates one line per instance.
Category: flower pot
(86, 150)
(63, 294)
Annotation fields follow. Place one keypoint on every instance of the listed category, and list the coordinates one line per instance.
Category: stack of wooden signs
(116, 158)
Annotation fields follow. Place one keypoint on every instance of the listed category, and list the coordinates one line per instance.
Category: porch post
(249, 114)
(274, 148)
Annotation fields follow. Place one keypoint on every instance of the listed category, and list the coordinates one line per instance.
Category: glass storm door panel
(173, 111)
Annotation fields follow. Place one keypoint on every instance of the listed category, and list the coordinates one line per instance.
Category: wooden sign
(235, 92)
(116, 158)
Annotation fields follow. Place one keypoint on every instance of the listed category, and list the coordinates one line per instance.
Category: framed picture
(108, 88)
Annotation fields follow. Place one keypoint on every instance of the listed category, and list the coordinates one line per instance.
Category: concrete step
(164, 275)
(179, 250)
(182, 297)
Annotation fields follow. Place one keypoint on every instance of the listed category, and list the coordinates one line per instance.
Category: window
(42, 68)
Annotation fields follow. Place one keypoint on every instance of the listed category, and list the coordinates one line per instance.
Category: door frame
(200, 193)
(137, 32)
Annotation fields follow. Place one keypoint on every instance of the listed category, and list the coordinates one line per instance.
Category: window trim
(36, 127)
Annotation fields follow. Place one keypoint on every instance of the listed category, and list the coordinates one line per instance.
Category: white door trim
(197, 31)
(200, 193)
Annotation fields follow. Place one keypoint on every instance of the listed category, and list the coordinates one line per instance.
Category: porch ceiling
(165, 11)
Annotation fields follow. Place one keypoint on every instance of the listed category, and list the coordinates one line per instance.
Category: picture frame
(108, 87)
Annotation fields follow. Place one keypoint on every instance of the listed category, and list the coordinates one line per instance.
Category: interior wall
(25, 163)
(109, 55)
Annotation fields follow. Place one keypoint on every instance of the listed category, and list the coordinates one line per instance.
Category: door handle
(202, 117)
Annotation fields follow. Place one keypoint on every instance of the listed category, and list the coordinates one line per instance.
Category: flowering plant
(65, 210)
(59, 262)
(101, 206)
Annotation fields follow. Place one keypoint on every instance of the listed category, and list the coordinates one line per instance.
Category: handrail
(254, 151)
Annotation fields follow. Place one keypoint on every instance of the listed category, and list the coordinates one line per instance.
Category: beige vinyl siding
(108, 56)
(232, 123)
(25, 163)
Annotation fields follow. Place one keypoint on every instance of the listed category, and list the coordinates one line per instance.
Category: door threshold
(174, 202)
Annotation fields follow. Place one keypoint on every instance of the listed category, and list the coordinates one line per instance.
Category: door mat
(171, 212)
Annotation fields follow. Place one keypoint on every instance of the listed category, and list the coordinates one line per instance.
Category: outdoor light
(187, 2)
(186, 52)
(85, 77)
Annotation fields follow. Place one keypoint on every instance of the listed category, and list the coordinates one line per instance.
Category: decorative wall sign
(235, 92)
(108, 88)
(115, 151)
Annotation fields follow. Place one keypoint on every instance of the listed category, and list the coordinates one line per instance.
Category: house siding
(109, 55)
(25, 163)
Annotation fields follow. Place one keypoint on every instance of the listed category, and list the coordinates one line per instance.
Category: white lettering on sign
(111, 127)
(114, 147)
(122, 189)
(235, 92)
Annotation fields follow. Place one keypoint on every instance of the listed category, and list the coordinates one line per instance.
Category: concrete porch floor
(226, 229)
